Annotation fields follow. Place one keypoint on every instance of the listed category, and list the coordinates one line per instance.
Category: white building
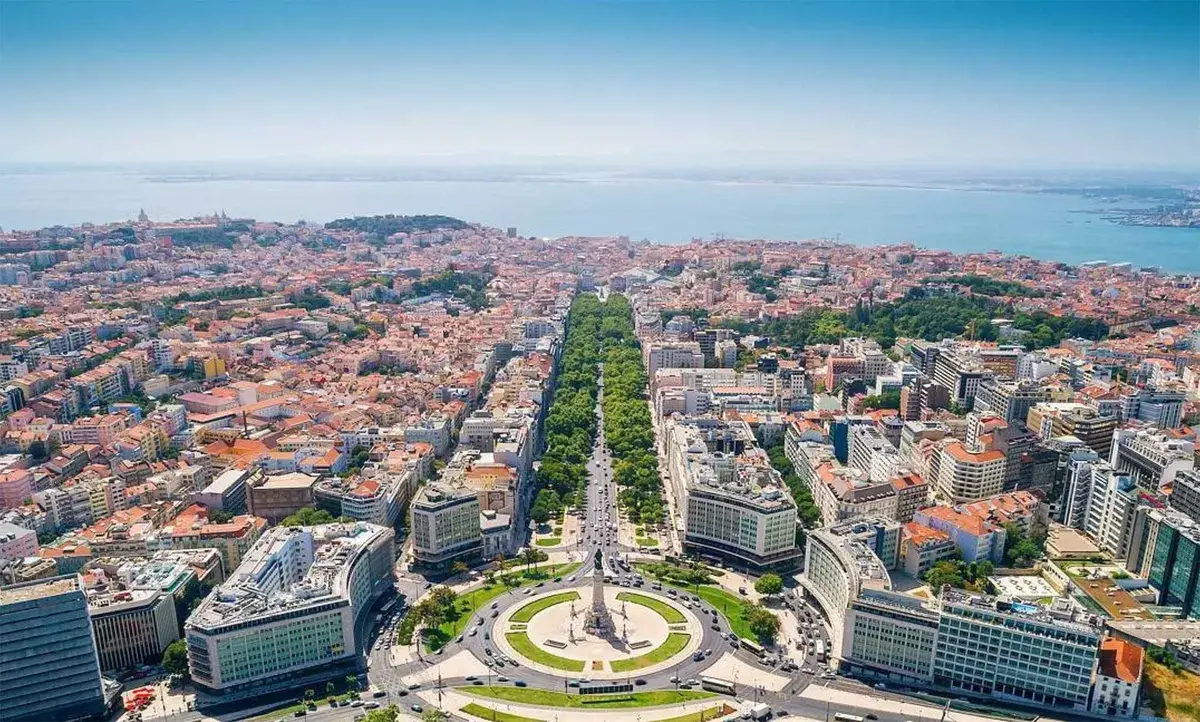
(290, 608)
(966, 475)
(445, 525)
(1151, 457)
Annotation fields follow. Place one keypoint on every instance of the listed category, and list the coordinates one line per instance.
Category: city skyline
(816, 84)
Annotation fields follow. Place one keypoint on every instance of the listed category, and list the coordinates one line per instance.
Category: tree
(769, 585)
(175, 657)
(434, 714)
(308, 516)
(763, 623)
(309, 695)
(220, 516)
(530, 556)
(540, 514)
(330, 689)
(459, 567)
(38, 450)
(388, 714)
(943, 573)
(351, 683)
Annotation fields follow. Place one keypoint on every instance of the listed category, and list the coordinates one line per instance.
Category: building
(987, 646)
(977, 539)
(278, 496)
(48, 666)
(912, 493)
(16, 542)
(445, 526)
(1009, 400)
(1103, 503)
(1151, 457)
(1164, 547)
(842, 561)
(295, 607)
(1118, 680)
(227, 492)
(872, 453)
(672, 355)
(922, 546)
(1185, 495)
(735, 505)
(1054, 419)
(1161, 407)
(966, 475)
(132, 627)
(889, 636)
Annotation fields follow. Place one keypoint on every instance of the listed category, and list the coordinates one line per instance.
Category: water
(665, 211)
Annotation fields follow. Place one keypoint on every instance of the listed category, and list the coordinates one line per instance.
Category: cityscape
(660, 361)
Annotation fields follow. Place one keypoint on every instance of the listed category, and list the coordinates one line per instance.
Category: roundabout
(562, 633)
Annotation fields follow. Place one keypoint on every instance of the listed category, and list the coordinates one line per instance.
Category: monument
(599, 621)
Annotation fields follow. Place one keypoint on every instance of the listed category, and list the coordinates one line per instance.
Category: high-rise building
(1164, 548)
(1162, 407)
(1185, 493)
(48, 664)
(1052, 420)
(1102, 502)
(132, 627)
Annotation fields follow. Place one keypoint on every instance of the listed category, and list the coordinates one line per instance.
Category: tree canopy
(308, 516)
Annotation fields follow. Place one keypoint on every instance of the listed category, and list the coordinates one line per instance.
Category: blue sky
(852, 83)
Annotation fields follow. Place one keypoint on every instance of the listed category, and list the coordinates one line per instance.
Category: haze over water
(666, 211)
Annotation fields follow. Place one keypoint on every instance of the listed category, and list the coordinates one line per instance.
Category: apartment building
(132, 627)
(672, 355)
(277, 496)
(966, 475)
(1159, 406)
(912, 493)
(1102, 502)
(872, 453)
(1185, 493)
(1010, 400)
(976, 539)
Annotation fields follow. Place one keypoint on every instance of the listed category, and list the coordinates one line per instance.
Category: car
(416, 708)
(478, 682)
(470, 678)
(781, 713)
(428, 584)
(527, 591)
(558, 579)
(871, 715)
(571, 578)
(541, 584)
(715, 627)
(698, 656)
(640, 682)
(487, 635)
(495, 605)
(371, 705)
(402, 693)
(502, 678)
(299, 713)
(708, 653)
(673, 679)
(473, 632)
(499, 663)
(742, 591)
(460, 639)
(414, 685)
(573, 683)
(518, 683)
(487, 651)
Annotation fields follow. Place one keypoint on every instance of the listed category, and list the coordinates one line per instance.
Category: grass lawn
(645, 541)
(546, 698)
(480, 597)
(550, 541)
(1170, 694)
(524, 646)
(478, 710)
(727, 604)
(525, 613)
(675, 643)
(705, 714)
(666, 611)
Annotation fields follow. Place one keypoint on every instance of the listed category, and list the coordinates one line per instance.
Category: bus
(820, 650)
(843, 717)
(388, 607)
(713, 684)
(752, 646)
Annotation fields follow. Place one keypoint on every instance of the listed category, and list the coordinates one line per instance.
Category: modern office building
(871, 453)
(1102, 502)
(1007, 650)
(445, 525)
(132, 627)
(296, 607)
(1185, 494)
(1161, 407)
(1164, 548)
(227, 492)
(277, 496)
(48, 664)
(672, 355)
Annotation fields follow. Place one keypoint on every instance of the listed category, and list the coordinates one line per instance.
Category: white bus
(752, 646)
(821, 650)
(713, 684)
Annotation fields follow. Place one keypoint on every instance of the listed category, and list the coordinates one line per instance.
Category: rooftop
(39, 589)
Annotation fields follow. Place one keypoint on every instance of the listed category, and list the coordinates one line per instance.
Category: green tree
(434, 715)
(540, 514)
(220, 516)
(388, 714)
(459, 567)
(769, 584)
(762, 622)
(330, 689)
(175, 657)
(38, 450)
(308, 516)
(351, 683)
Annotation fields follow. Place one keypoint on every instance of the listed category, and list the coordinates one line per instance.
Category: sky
(854, 83)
